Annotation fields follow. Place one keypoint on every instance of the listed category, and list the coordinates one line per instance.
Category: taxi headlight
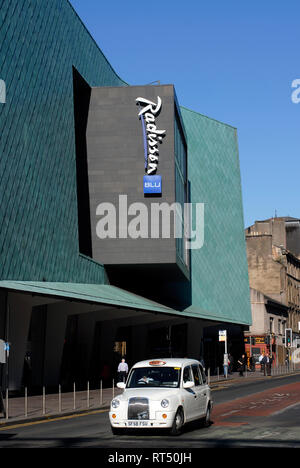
(115, 403)
(164, 403)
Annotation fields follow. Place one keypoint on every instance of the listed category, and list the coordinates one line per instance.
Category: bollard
(26, 403)
(101, 393)
(6, 404)
(88, 395)
(59, 398)
(74, 395)
(208, 376)
(44, 400)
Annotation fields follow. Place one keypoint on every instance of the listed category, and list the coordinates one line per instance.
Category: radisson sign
(151, 137)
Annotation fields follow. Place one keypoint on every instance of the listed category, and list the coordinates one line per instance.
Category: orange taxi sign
(157, 363)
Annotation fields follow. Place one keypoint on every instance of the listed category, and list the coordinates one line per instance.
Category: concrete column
(19, 321)
(54, 345)
(195, 334)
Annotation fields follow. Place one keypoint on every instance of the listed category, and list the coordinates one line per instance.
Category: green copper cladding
(40, 42)
(219, 271)
(93, 293)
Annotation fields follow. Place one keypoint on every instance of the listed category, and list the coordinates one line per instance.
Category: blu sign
(152, 184)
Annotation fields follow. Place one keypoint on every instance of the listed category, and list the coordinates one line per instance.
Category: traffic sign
(222, 335)
(2, 352)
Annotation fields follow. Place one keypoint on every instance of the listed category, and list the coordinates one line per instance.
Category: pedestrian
(287, 362)
(262, 362)
(122, 371)
(242, 363)
(268, 363)
(230, 364)
(225, 366)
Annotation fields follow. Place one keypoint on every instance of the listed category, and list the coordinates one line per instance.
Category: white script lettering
(153, 135)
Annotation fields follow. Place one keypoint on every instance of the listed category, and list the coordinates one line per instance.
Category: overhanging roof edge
(101, 294)
(96, 293)
(106, 294)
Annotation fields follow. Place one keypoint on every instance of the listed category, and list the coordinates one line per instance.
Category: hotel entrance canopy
(103, 294)
(94, 293)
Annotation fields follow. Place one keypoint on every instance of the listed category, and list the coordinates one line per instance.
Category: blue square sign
(152, 184)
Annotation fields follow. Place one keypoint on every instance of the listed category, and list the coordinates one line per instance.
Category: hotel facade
(121, 212)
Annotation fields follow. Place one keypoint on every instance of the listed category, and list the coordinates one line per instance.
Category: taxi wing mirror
(121, 385)
(188, 384)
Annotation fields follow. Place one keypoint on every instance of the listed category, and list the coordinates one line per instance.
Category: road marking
(229, 412)
(267, 434)
(215, 389)
(285, 409)
(269, 402)
(50, 419)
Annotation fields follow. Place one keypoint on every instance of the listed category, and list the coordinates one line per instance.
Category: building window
(271, 325)
(283, 326)
(120, 347)
(181, 187)
(82, 93)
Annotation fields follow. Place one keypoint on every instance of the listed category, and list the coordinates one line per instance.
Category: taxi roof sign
(157, 363)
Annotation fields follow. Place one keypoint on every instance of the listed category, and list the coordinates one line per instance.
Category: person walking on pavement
(122, 371)
(225, 366)
(252, 364)
(262, 362)
(268, 363)
(230, 364)
(242, 363)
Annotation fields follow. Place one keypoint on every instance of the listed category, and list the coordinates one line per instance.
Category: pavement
(20, 410)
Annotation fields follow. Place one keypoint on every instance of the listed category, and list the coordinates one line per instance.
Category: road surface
(246, 414)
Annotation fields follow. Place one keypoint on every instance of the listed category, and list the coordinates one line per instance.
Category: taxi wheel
(177, 423)
(206, 420)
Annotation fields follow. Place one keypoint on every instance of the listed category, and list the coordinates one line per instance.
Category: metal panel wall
(40, 43)
(220, 285)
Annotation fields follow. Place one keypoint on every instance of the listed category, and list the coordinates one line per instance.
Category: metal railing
(275, 370)
(55, 403)
(47, 404)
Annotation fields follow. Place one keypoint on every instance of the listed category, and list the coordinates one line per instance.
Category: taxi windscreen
(143, 377)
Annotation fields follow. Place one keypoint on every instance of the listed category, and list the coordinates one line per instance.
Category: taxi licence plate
(138, 423)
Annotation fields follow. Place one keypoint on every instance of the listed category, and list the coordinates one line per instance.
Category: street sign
(2, 352)
(223, 338)
(222, 335)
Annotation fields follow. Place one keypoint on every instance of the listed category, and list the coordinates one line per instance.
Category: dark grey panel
(116, 166)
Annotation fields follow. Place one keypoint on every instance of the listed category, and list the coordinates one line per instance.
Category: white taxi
(162, 393)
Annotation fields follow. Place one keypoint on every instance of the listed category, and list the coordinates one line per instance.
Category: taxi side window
(187, 374)
(203, 374)
(197, 375)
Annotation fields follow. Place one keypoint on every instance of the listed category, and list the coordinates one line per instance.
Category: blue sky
(231, 60)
